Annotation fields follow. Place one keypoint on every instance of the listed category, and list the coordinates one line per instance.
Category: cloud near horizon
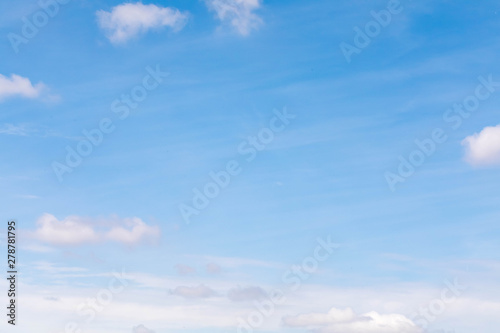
(347, 321)
(141, 329)
(129, 20)
(200, 291)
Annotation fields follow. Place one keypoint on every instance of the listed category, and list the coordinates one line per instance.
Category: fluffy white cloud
(70, 231)
(200, 291)
(246, 294)
(483, 148)
(19, 86)
(128, 20)
(75, 230)
(238, 13)
(346, 321)
(133, 231)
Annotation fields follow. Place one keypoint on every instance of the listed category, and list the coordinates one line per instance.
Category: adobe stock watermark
(95, 136)
(39, 19)
(88, 309)
(249, 150)
(293, 279)
(454, 117)
(373, 28)
(436, 307)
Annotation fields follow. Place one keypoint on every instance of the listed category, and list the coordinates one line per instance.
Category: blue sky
(233, 66)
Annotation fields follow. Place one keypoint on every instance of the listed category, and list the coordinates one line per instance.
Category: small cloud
(184, 269)
(27, 129)
(200, 291)
(483, 148)
(347, 321)
(213, 268)
(18, 86)
(51, 298)
(238, 13)
(246, 294)
(133, 231)
(76, 230)
(141, 329)
(128, 20)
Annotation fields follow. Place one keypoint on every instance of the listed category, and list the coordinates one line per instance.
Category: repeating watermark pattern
(436, 307)
(248, 149)
(373, 28)
(48, 9)
(454, 117)
(88, 309)
(293, 278)
(94, 137)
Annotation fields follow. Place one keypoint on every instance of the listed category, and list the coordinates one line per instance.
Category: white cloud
(200, 291)
(70, 231)
(75, 230)
(128, 20)
(246, 294)
(483, 148)
(138, 232)
(19, 86)
(238, 13)
(346, 321)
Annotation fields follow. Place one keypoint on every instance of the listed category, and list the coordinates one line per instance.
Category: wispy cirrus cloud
(32, 129)
(76, 230)
(10, 129)
(54, 269)
(129, 20)
(483, 148)
(237, 13)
